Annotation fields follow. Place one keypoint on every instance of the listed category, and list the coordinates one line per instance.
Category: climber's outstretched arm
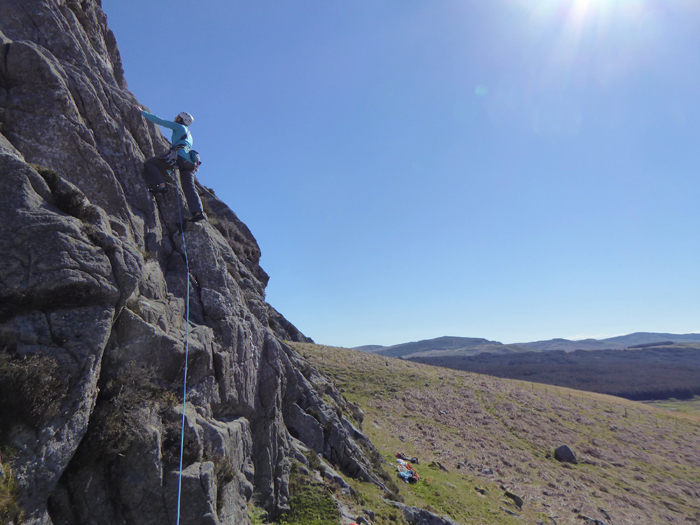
(161, 122)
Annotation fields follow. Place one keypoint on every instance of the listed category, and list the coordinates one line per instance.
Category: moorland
(478, 438)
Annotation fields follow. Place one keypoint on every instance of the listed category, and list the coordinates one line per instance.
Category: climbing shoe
(158, 188)
(198, 216)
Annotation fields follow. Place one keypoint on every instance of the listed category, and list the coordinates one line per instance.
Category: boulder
(564, 454)
(515, 498)
(418, 516)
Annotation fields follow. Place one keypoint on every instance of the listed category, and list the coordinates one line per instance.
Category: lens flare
(562, 52)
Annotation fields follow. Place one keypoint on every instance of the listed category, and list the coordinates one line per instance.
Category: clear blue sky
(508, 169)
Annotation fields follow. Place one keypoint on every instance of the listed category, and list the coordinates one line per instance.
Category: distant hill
(611, 343)
(369, 348)
(469, 346)
(443, 346)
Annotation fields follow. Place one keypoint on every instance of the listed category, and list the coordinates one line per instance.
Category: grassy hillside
(637, 464)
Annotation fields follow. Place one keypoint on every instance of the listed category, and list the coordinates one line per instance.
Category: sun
(579, 13)
(603, 12)
(578, 28)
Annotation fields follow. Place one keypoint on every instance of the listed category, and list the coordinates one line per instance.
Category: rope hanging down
(187, 350)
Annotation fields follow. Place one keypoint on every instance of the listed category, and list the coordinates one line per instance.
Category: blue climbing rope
(187, 351)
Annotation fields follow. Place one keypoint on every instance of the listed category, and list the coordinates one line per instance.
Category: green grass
(256, 515)
(368, 496)
(10, 510)
(690, 407)
(311, 502)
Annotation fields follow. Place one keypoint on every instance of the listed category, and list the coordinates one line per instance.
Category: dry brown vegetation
(637, 464)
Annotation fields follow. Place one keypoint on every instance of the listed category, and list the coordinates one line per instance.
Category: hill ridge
(451, 345)
(444, 345)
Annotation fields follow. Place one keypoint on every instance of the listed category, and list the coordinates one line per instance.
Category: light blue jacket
(181, 134)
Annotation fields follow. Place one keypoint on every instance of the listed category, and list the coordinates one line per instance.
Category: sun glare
(593, 32)
(579, 14)
(565, 51)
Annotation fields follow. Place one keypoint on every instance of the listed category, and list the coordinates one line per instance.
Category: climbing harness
(187, 349)
(193, 157)
(171, 156)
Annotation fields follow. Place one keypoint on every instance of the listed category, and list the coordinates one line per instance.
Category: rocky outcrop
(95, 280)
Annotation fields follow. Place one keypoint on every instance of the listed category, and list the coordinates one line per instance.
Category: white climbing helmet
(187, 119)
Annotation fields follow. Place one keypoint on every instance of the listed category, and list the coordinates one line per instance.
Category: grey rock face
(93, 291)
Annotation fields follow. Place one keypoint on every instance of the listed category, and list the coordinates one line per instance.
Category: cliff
(93, 284)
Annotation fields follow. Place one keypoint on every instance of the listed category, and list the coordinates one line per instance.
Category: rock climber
(181, 155)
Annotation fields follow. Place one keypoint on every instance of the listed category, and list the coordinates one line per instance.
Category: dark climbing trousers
(155, 169)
